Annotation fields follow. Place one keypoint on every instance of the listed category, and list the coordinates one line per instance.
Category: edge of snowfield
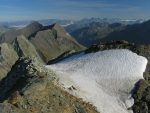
(105, 78)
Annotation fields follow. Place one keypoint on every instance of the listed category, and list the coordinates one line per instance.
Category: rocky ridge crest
(26, 86)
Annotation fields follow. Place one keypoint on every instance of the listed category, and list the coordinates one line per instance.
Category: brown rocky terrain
(26, 86)
(30, 88)
(54, 41)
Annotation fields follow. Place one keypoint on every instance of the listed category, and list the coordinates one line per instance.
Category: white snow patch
(104, 79)
(68, 24)
(19, 26)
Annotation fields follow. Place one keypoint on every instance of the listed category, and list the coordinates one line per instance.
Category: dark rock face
(20, 70)
(141, 96)
(29, 88)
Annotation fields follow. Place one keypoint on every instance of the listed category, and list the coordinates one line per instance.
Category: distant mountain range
(85, 23)
(45, 22)
(137, 33)
(93, 32)
(3, 29)
(67, 22)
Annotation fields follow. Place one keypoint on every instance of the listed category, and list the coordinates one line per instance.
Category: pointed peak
(56, 26)
(21, 37)
(35, 24)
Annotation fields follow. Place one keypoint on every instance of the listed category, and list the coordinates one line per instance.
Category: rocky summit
(26, 86)
(30, 88)
(53, 41)
(49, 41)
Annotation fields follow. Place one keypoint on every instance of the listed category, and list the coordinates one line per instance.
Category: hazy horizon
(18, 10)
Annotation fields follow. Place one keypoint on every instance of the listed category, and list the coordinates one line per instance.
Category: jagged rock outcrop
(30, 88)
(49, 41)
(8, 57)
(24, 48)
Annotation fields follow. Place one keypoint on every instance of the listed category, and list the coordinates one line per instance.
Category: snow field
(105, 78)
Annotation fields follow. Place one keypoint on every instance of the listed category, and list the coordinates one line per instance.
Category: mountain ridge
(137, 33)
(49, 41)
(26, 86)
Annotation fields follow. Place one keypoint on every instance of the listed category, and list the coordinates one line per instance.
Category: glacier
(105, 78)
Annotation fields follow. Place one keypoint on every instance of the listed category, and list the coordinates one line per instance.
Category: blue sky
(12, 10)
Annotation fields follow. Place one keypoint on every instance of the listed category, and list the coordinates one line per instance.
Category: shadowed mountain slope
(94, 32)
(53, 41)
(137, 33)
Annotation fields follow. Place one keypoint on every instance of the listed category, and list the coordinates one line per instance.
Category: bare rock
(24, 48)
(8, 57)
